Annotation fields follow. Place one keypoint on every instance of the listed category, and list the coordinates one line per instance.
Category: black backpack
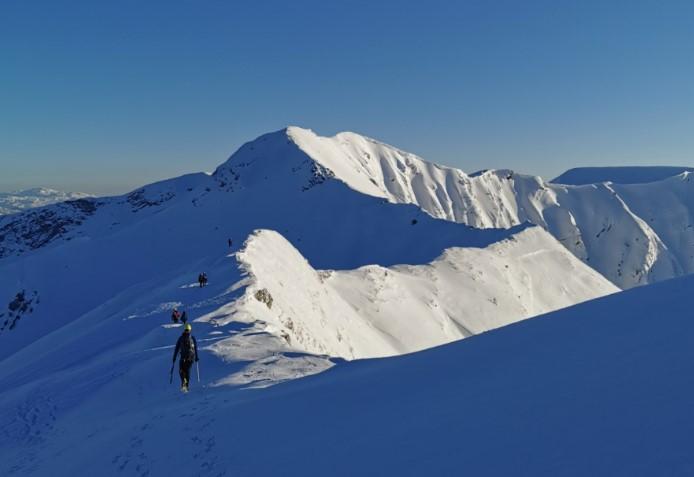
(187, 347)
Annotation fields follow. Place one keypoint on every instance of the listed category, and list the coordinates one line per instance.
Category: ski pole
(171, 373)
(197, 368)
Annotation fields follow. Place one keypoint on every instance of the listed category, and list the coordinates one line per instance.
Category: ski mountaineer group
(188, 347)
(176, 316)
(186, 344)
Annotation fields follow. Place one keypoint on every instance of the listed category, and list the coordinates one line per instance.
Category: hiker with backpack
(176, 315)
(184, 317)
(188, 347)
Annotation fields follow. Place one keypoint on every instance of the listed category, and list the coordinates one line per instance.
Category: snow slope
(611, 227)
(13, 202)
(331, 268)
(597, 222)
(379, 311)
(602, 388)
(619, 175)
(94, 259)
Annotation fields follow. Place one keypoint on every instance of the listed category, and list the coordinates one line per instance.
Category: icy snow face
(379, 311)
(13, 202)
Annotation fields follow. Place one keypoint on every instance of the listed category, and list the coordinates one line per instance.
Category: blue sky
(105, 96)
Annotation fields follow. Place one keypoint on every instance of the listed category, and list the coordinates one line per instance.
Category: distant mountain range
(619, 175)
(13, 202)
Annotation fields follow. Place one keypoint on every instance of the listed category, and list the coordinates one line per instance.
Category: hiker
(200, 279)
(204, 279)
(184, 317)
(229, 241)
(188, 347)
(176, 315)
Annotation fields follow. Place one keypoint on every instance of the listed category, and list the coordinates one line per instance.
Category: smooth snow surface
(603, 389)
(619, 175)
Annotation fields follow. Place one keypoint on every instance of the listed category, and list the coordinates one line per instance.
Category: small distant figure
(188, 347)
(175, 315)
(229, 242)
(202, 279)
(184, 317)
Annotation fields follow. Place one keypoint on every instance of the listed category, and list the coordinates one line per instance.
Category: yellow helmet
(188, 327)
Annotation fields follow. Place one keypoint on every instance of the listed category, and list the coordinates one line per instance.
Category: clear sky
(103, 96)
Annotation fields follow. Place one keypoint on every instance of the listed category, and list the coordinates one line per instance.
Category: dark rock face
(22, 304)
(319, 174)
(264, 296)
(139, 199)
(36, 228)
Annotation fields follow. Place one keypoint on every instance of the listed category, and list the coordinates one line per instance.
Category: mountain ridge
(596, 222)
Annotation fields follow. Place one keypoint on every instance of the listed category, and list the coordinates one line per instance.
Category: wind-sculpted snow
(378, 311)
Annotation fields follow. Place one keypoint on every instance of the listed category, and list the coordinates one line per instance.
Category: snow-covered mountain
(13, 202)
(631, 233)
(596, 389)
(125, 256)
(380, 311)
(619, 175)
(342, 248)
